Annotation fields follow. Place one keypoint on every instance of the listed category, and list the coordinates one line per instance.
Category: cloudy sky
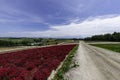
(58, 18)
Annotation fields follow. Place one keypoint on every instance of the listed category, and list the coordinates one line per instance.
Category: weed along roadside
(65, 66)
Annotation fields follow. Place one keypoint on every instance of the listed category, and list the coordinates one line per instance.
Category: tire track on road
(95, 64)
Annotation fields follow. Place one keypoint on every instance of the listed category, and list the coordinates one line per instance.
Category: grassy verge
(113, 47)
(66, 65)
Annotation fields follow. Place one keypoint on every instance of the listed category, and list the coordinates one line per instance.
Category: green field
(113, 47)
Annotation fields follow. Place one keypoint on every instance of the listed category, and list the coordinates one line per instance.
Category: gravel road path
(95, 64)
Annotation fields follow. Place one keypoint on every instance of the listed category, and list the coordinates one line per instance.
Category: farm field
(113, 47)
(3, 49)
(32, 64)
(59, 39)
(7, 48)
(12, 49)
(18, 42)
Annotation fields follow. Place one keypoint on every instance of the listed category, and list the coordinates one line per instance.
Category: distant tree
(5, 43)
(106, 37)
(38, 39)
(27, 42)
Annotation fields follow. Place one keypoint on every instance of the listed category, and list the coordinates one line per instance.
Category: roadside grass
(66, 66)
(113, 47)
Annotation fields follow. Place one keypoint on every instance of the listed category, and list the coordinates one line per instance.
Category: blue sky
(58, 18)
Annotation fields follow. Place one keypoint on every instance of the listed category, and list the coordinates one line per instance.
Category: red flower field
(32, 64)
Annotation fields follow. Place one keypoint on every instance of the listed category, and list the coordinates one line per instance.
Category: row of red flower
(32, 64)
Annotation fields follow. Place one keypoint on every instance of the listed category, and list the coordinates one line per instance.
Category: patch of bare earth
(11, 49)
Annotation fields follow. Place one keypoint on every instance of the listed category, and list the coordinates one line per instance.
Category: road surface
(95, 64)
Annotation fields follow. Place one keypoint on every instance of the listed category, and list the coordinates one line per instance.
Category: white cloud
(97, 25)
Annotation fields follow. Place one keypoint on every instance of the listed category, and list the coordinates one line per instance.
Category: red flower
(32, 64)
(3, 71)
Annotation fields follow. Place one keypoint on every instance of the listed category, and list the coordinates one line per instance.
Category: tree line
(106, 37)
(9, 42)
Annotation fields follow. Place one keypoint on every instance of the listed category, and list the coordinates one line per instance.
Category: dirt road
(95, 64)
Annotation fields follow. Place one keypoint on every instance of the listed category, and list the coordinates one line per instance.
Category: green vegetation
(10, 42)
(66, 65)
(106, 37)
(113, 47)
